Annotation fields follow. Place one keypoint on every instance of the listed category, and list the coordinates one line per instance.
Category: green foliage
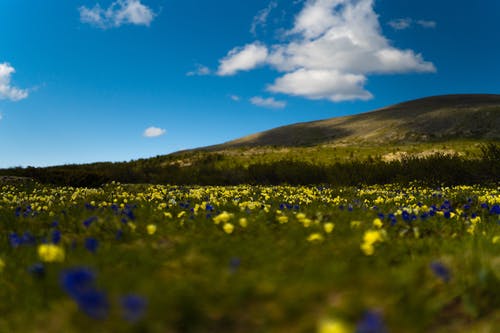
(300, 167)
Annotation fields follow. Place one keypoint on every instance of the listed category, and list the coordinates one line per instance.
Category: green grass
(266, 277)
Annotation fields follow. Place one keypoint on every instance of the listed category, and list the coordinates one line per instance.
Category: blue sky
(115, 80)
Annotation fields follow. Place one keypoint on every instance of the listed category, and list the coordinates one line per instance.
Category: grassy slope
(453, 124)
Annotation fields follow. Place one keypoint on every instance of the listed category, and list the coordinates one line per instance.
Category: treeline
(208, 170)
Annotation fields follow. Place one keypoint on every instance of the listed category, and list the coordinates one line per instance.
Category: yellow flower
(306, 222)
(301, 216)
(333, 326)
(151, 228)
(369, 238)
(228, 228)
(243, 222)
(282, 219)
(367, 249)
(496, 239)
(2, 265)
(372, 236)
(377, 223)
(167, 215)
(328, 227)
(315, 238)
(132, 226)
(222, 217)
(50, 253)
(181, 214)
(355, 224)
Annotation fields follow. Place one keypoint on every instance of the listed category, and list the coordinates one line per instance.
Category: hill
(438, 118)
(452, 139)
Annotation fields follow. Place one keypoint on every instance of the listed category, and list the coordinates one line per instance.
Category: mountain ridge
(434, 118)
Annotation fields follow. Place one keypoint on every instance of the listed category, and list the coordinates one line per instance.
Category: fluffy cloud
(267, 102)
(331, 49)
(243, 59)
(322, 84)
(118, 13)
(260, 20)
(7, 91)
(153, 132)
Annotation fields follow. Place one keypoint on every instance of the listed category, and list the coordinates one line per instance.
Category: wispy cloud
(118, 13)
(328, 53)
(200, 70)
(427, 24)
(260, 20)
(405, 23)
(7, 91)
(270, 102)
(401, 23)
(154, 132)
(235, 98)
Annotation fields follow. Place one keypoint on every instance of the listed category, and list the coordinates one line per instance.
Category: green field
(138, 258)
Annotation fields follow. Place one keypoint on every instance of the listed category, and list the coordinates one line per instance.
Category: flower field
(139, 258)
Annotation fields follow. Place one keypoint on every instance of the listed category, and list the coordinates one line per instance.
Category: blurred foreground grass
(249, 259)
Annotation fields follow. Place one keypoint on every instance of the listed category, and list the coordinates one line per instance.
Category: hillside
(431, 119)
(445, 139)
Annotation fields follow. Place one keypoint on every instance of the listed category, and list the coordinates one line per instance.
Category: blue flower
(495, 210)
(119, 234)
(77, 281)
(56, 236)
(441, 271)
(37, 270)
(91, 244)
(234, 264)
(133, 307)
(94, 303)
(371, 323)
(14, 240)
(89, 221)
(79, 284)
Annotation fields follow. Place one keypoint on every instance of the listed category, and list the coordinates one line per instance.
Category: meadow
(327, 259)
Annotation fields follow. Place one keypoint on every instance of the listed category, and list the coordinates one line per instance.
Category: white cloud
(118, 13)
(427, 24)
(401, 23)
(331, 49)
(200, 71)
(243, 59)
(260, 20)
(7, 91)
(267, 102)
(153, 132)
(235, 98)
(405, 23)
(322, 84)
